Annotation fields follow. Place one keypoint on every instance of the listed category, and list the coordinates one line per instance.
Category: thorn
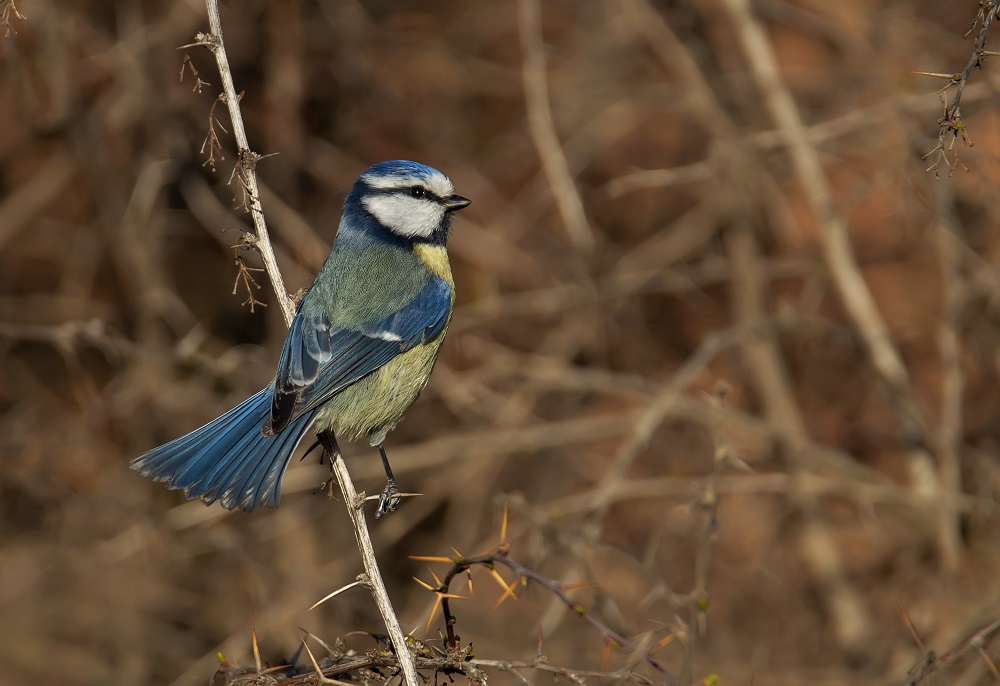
(256, 649)
(508, 591)
(323, 679)
(989, 663)
(662, 643)
(335, 594)
(954, 78)
(909, 625)
(425, 584)
(432, 558)
(329, 648)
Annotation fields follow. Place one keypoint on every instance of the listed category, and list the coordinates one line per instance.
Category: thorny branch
(987, 13)
(246, 164)
(932, 662)
(524, 574)
(951, 120)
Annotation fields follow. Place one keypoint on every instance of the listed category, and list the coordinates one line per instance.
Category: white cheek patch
(404, 215)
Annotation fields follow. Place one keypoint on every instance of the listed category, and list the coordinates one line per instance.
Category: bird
(359, 350)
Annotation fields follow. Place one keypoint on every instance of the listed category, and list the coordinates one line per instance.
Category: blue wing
(319, 359)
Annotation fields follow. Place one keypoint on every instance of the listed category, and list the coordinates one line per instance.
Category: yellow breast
(435, 258)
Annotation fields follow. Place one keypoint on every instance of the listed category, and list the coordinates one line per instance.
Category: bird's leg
(389, 500)
(330, 450)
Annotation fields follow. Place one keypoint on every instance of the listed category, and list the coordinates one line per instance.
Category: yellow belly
(375, 404)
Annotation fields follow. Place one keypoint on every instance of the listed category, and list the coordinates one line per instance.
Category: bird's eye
(418, 192)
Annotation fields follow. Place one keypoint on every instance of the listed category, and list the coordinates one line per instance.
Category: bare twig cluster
(211, 147)
(187, 65)
(244, 278)
(8, 11)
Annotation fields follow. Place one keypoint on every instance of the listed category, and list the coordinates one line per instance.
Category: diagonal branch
(245, 168)
(987, 13)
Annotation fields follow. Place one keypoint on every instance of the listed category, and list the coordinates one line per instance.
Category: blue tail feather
(261, 473)
(228, 459)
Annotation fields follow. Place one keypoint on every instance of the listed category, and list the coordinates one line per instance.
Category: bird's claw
(389, 500)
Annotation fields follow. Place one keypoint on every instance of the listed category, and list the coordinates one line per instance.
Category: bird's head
(409, 200)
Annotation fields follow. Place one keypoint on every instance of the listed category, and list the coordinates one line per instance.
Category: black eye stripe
(420, 193)
(424, 193)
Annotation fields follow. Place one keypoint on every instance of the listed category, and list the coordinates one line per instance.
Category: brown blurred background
(579, 379)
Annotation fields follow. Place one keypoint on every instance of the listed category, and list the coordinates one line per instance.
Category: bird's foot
(389, 500)
(326, 486)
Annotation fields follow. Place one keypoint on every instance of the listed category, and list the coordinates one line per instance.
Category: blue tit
(359, 351)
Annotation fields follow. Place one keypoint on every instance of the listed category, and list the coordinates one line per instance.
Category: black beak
(456, 202)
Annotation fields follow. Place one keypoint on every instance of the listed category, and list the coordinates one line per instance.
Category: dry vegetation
(696, 225)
